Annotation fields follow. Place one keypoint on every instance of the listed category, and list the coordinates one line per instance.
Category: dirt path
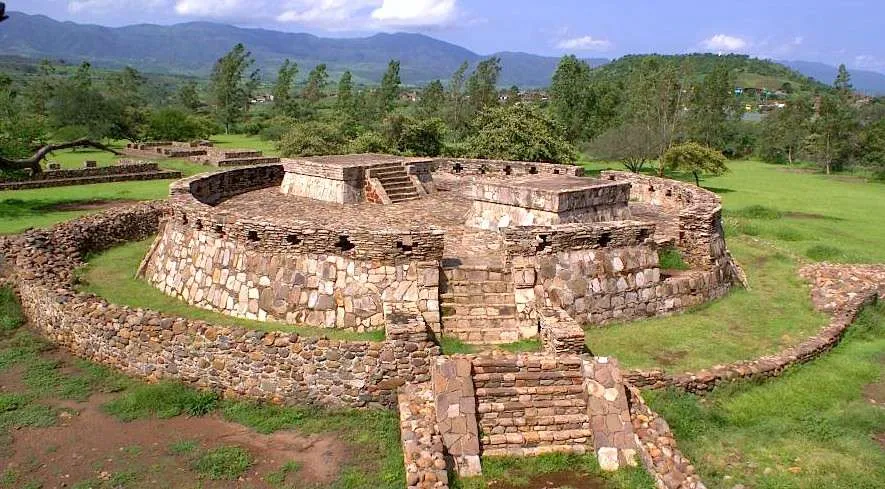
(89, 445)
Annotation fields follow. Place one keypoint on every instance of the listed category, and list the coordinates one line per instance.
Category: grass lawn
(816, 427)
(772, 225)
(111, 275)
(242, 141)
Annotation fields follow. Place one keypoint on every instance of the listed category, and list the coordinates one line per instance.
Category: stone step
(404, 199)
(396, 185)
(476, 288)
(503, 377)
(479, 311)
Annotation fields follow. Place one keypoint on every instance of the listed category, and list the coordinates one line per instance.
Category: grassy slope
(111, 275)
(841, 220)
(811, 429)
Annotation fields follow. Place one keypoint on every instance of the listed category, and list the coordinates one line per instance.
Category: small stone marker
(54, 166)
(90, 164)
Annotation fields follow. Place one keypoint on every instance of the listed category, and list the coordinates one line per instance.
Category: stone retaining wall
(282, 367)
(468, 166)
(123, 171)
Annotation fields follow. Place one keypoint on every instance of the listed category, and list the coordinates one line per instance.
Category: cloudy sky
(830, 31)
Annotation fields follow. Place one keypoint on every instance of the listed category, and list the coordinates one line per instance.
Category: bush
(312, 139)
(369, 142)
(172, 124)
(414, 137)
(227, 462)
(696, 159)
(275, 128)
(518, 132)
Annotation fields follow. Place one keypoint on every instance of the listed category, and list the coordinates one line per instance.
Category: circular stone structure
(484, 251)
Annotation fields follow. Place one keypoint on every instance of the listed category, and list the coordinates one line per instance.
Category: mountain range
(192, 48)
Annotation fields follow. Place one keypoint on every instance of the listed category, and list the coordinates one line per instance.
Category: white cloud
(216, 8)
(325, 13)
(584, 43)
(415, 12)
(723, 42)
(102, 6)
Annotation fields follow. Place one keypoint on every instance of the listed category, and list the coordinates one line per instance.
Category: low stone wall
(503, 168)
(842, 290)
(213, 187)
(282, 367)
(322, 188)
(121, 172)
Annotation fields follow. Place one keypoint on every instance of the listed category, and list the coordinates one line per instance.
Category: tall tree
(482, 86)
(833, 132)
(518, 132)
(41, 88)
(317, 80)
(189, 97)
(569, 96)
(389, 90)
(696, 159)
(843, 80)
(283, 97)
(457, 112)
(231, 85)
(784, 131)
(431, 100)
(344, 100)
(713, 105)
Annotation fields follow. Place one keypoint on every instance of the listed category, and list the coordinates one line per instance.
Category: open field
(820, 426)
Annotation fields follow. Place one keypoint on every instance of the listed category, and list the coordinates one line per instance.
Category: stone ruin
(420, 249)
(482, 251)
(200, 152)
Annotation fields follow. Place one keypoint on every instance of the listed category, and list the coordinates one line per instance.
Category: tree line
(635, 112)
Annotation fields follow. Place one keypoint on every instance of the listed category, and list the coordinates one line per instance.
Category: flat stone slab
(552, 193)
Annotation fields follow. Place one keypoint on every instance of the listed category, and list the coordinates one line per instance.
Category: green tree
(41, 88)
(872, 143)
(344, 100)
(126, 103)
(482, 86)
(458, 111)
(784, 131)
(20, 130)
(518, 132)
(431, 100)
(312, 138)
(713, 105)
(188, 97)
(369, 142)
(317, 81)
(833, 132)
(569, 96)
(77, 109)
(695, 158)
(512, 95)
(422, 137)
(843, 80)
(390, 85)
(632, 144)
(173, 124)
(283, 96)
(231, 86)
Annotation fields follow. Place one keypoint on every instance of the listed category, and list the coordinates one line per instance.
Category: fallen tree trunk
(34, 161)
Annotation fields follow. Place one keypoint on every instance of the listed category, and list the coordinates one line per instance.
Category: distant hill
(868, 82)
(192, 48)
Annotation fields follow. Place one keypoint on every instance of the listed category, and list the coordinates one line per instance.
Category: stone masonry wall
(467, 166)
(227, 275)
(320, 188)
(283, 367)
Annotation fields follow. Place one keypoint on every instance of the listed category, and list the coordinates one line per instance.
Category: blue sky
(833, 31)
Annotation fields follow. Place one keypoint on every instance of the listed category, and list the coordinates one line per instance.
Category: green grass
(810, 429)
(528, 472)
(111, 275)
(163, 400)
(228, 462)
(450, 346)
(11, 316)
(671, 259)
(774, 314)
(242, 141)
(277, 478)
(182, 447)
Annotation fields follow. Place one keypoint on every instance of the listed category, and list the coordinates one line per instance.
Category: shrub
(171, 124)
(414, 137)
(312, 139)
(518, 132)
(671, 259)
(369, 142)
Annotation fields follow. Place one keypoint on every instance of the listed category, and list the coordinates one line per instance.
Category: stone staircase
(395, 181)
(477, 303)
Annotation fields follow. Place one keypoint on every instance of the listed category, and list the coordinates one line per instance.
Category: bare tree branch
(34, 161)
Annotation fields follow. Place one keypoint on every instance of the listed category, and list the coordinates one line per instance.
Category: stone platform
(545, 200)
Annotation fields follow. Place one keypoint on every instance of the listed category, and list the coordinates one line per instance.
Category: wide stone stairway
(395, 181)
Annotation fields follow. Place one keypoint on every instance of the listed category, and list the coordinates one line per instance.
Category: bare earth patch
(88, 444)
